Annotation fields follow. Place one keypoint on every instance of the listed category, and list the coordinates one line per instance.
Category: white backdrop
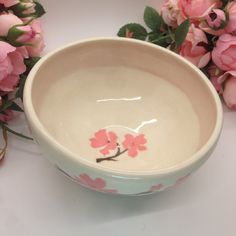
(37, 200)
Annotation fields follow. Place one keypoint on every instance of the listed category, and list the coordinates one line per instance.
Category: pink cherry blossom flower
(9, 3)
(98, 184)
(105, 140)
(224, 54)
(178, 181)
(134, 144)
(157, 187)
(194, 47)
(181, 180)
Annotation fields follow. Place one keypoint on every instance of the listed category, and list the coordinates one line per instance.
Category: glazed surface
(149, 119)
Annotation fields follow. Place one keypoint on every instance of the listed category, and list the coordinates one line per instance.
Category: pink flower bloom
(9, 20)
(7, 116)
(29, 7)
(11, 66)
(229, 93)
(216, 18)
(224, 54)
(107, 140)
(23, 51)
(157, 187)
(214, 73)
(181, 180)
(37, 41)
(27, 34)
(196, 9)
(134, 144)
(204, 26)
(194, 47)
(12, 24)
(98, 184)
(9, 3)
(231, 25)
(171, 14)
(228, 82)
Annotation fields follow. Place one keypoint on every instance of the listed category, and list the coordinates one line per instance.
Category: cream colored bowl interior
(128, 89)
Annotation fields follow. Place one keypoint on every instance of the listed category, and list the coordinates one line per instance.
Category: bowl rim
(39, 127)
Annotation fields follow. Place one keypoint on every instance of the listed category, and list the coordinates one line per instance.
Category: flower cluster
(202, 31)
(21, 42)
(107, 141)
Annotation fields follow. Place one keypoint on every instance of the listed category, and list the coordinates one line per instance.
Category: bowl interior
(123, 104)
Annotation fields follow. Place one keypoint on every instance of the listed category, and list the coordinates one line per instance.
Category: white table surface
(37, 200)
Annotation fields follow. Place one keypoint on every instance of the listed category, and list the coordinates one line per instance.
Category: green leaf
(30, 62)
(13, 34)
(20, 8)
(6, 105)
(39, 10)
(224, 3)
(133, 30)
(15, 133)
(152, 18)
(19, 92)
(16, 107)
(10, 105)
(181, 32)
(162, 40)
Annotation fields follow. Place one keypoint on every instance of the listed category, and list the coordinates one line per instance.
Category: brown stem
(3, 150)
(112, 158)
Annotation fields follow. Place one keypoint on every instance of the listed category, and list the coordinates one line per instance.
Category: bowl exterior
(108, 180)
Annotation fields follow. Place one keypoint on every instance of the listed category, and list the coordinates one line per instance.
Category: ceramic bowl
(122, 116)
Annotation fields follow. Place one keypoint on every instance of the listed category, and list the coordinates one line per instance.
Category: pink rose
(231, 10)
(194, 47)
(37, 41)
(25, 8)
(19, 34)
(195, 9)
(214, 73)
(9, 3)
(171, 14)
(214, 22)
(11, 66)
(28, 6)
(224, 54)
(229, 93)
(7, 116)
(228, 81)
(216, 18)
(9, 20)
(27, 35)
(134, 144)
